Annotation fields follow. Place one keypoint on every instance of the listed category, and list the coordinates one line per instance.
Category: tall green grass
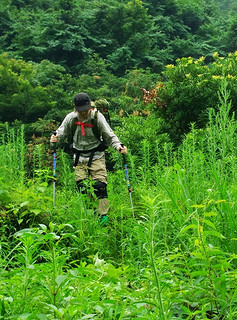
(172, 257)
(12, 161)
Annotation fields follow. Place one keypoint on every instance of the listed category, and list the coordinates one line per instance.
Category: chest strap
(101, 147)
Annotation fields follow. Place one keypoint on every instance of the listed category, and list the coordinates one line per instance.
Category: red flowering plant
(153, 96)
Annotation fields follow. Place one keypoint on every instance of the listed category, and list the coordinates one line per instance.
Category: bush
(190, 89)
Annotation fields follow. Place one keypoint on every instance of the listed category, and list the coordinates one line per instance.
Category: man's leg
(81, 174)
(100, 189)
(98, 173)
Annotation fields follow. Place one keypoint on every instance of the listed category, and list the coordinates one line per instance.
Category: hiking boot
(103, 207)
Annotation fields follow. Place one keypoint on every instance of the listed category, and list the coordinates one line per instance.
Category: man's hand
(54, 138)
(123, 149)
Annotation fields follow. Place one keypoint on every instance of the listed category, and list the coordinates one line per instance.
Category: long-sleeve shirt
(83, 138)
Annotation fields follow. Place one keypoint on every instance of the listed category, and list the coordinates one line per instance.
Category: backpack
(102, 105)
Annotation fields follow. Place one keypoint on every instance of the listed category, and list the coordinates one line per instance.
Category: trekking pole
(54, 169)
(127, 178)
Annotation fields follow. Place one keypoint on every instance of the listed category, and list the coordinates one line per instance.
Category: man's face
(83, 114)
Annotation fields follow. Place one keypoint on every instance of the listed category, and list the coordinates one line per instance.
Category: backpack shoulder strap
(94, 122)
(71, 130)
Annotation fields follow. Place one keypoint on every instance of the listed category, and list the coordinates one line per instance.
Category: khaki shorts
(97, 170)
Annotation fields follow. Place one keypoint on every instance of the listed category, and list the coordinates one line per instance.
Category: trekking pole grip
(54, 144)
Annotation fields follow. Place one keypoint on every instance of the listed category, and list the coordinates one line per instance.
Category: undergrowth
(172, 256)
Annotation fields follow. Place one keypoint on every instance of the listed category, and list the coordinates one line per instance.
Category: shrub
(191, 88)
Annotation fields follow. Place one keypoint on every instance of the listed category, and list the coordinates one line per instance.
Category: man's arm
(108, 135)
(63, 131)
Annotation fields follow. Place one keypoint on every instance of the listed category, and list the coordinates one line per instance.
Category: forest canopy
(125, 34)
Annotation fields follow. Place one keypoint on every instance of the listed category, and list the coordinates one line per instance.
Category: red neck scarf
(83, 124)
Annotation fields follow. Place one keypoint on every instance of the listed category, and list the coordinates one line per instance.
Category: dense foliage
(190, 89)
(182, 96)
(173, 256)
(168, 69)
(113, 49)
(125, 34)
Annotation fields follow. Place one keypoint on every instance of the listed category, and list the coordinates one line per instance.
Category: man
(79, 127)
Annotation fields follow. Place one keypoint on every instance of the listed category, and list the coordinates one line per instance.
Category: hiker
(84, 128)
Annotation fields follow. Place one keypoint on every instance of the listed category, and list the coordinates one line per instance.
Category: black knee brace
(81, 186)
(100, 189)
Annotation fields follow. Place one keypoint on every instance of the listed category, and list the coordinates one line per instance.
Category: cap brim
(86, 107)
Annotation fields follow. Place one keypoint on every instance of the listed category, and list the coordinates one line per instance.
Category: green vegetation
(190, 89)
(52, 49)
(168, 70)
(124, 34)
(172, 257)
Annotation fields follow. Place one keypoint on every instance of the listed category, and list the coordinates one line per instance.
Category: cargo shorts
(97, 170)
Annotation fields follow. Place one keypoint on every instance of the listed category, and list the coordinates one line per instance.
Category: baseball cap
(82, 102)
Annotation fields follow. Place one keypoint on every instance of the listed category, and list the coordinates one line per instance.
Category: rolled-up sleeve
(64, 129)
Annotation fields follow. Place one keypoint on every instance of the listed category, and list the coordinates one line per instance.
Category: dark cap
(82, 102)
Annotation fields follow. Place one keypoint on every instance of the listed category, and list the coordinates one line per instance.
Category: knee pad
(100, 189)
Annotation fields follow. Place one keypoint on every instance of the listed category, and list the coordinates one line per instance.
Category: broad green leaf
(58, 311)
(199, 255)
(174, 256)
(186, 309)
(198, 273)
(209, 223)
(41, 316)
(89, 316)
(41, 189)
(44, 184)
(43, 227)
(24, 316)
(36, 211)
(60, 279)
(9, 299)
(24, 203)
(74, 272)
(191, 226)
(210, 246)
(214, 233)
(99, 309)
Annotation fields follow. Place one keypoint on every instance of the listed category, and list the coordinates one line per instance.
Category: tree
(5, 23)
(231, 38)
(22, 96)
(125, 34)
(133, 38)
